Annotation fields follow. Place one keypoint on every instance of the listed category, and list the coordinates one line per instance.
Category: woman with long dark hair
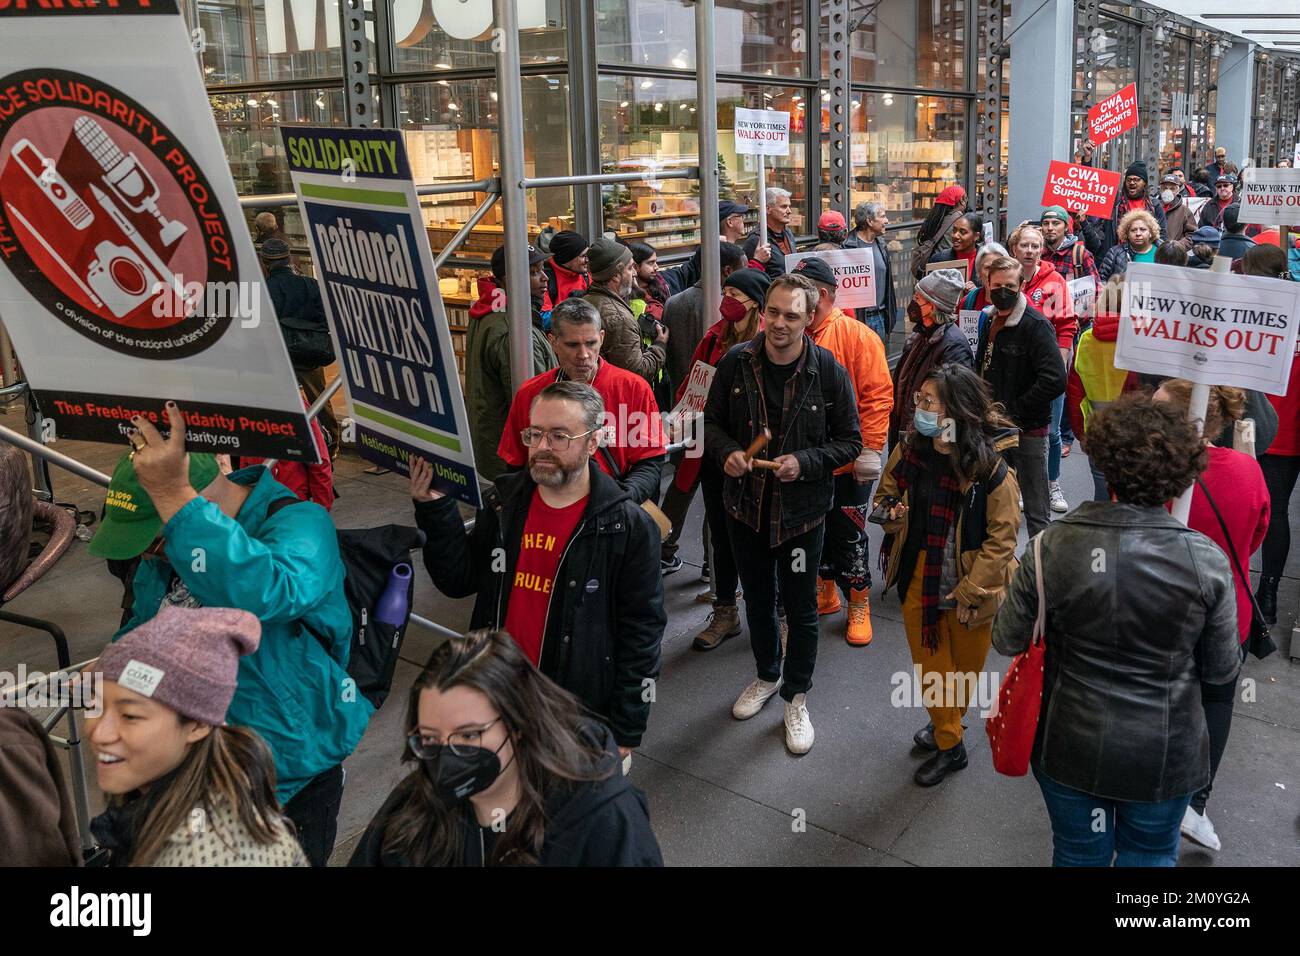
(964, 240)
(510, 772)
(948, 206)
(952, 523)
(1140, 612)
(183, 789)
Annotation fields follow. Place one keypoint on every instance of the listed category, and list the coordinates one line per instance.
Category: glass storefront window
(423, 44)
(226, 52)
(767, 38)
(904, 150)
(909, 43)
(1116, 46)
(650, 124)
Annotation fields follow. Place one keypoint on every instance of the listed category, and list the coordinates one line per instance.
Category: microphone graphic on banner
(125, 176)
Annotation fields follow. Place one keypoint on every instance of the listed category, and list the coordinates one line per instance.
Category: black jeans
(844, 554)
(1216, 701)
(793, 565)
(726, 580)
(1280, 474)
(314, 810)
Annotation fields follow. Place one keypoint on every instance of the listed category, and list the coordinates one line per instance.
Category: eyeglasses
(924, 403)
(559, 441)
(461, 742)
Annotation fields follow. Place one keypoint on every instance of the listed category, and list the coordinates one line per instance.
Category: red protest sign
(1113, 115)
(1082, 189)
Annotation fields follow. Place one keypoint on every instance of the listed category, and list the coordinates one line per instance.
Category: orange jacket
(860, 351)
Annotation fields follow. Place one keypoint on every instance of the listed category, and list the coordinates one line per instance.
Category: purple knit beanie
(185, 658)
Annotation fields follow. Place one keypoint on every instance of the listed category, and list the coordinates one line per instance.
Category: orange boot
(828, 597)
(859, 632)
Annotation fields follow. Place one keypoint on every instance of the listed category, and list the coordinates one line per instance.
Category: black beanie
(752, 282)
(568, 245)
(1137, 168)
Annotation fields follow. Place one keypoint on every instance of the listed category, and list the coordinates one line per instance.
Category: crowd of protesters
(220, 699)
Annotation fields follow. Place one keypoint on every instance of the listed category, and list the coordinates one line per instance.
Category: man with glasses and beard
(563, 559)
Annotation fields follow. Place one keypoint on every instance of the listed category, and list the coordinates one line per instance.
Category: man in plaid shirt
(1064, 250)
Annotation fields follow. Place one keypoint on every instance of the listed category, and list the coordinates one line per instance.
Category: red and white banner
(1270, 197)
(762, 132)
(855, 274)
(1083, 189)
(1114, 115)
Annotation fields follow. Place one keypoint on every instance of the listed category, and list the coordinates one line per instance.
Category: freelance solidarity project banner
(376, 274)
(128, 276)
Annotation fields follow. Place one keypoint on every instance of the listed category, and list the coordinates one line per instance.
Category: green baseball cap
(1055, 212)
(131, 521)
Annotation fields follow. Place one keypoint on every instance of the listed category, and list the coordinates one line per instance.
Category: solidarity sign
(127, 276)
(1114, 115)
(1210, 328)
(1082, 189)
(377, 281)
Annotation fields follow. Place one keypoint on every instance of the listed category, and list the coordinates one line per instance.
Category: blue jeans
(1100, 486)
(1054, 440)
(877, 324)
(1093, 831)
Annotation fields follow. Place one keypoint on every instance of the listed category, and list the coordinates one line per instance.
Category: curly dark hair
(1148, 451)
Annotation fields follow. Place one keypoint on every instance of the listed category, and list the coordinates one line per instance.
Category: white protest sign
(1194, 206)
(684, 421)
(969, 320)
(1270, 197)
(762, 132)
(1210, 328)
(127, 274)
(855, 274)
(1083, 293)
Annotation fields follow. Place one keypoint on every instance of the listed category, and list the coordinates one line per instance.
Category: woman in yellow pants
(952, 523)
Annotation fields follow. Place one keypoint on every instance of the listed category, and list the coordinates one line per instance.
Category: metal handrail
(421, 189)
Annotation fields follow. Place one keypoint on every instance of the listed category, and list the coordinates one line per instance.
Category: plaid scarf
(943, 511)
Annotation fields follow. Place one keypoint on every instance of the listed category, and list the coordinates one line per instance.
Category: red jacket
(560, 283)
(308, 482)
(1287, 441)
(1048, 293)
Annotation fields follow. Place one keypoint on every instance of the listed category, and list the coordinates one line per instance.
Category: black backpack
(369, 555)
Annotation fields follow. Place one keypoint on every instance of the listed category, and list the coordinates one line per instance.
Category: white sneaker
(1198, 828)
(798, 728)
(753, 697)
(1059, 504)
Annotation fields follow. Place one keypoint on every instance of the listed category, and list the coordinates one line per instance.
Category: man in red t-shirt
(636, 453)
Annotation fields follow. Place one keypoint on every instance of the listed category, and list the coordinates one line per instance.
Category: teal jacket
(286, 570)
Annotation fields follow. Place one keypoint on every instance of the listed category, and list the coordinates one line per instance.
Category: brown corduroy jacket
(38, 826)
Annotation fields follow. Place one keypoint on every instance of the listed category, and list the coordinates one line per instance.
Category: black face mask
(458, 778)
(1004, 299)
(914, 312)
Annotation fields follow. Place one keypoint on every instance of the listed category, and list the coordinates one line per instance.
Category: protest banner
(855, 275)
(961, 265)
(685, 423)
(367, 236)
(969, 321)
(1114, 115)
(760, 133)
(1194, 206)
(1083, 293)
(129, 275)
(1270, 197)
(1208, 327)
(1083, 189)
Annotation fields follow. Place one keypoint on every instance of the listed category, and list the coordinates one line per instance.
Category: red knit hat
(951, 196)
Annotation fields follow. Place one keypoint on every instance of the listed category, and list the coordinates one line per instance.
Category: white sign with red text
(684, 421)
(762, 132)
(1210, 328)
(855, 274)
(1270, 197)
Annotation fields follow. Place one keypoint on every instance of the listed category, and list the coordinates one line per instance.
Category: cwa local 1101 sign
(1081, 189)
(1114, 115)
(1210, 328)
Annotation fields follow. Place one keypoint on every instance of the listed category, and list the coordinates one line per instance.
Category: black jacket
(1100, 235)
(1116, 262)
(774, 266)
(1234, 245)
(922, 352)
(598, 823)
(301, 315)
(1025, 372)
(601, 637)
(854, 241)
(819, 427)
(1140, 610)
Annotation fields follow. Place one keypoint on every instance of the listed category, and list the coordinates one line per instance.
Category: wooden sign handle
(758, 444)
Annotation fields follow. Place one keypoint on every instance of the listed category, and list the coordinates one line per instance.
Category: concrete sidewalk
(724, 792)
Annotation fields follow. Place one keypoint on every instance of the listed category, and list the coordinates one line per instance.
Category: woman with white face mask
(184, 789)
(951, 518)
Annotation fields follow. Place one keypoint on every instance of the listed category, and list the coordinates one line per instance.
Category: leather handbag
(1260, 641)
(1020, 698)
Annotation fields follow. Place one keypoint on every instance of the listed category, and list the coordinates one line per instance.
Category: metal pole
(433, 626)
(53, 457)
(602, 179)
(762, 199)
(464, 231)
(421, 189)
(1196, 409)
(707, 84)
(514, 198)
(324, 397)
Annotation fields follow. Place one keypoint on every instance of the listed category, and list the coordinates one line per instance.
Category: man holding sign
(860, 351)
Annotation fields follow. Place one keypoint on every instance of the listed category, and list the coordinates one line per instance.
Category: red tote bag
(1020, 698)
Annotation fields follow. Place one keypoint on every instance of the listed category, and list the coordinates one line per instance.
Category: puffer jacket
(924, 350)
(623, 344)
(988, 522)
(1140, 610)
(1102, 234)
(862, 354)
(286, 569)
